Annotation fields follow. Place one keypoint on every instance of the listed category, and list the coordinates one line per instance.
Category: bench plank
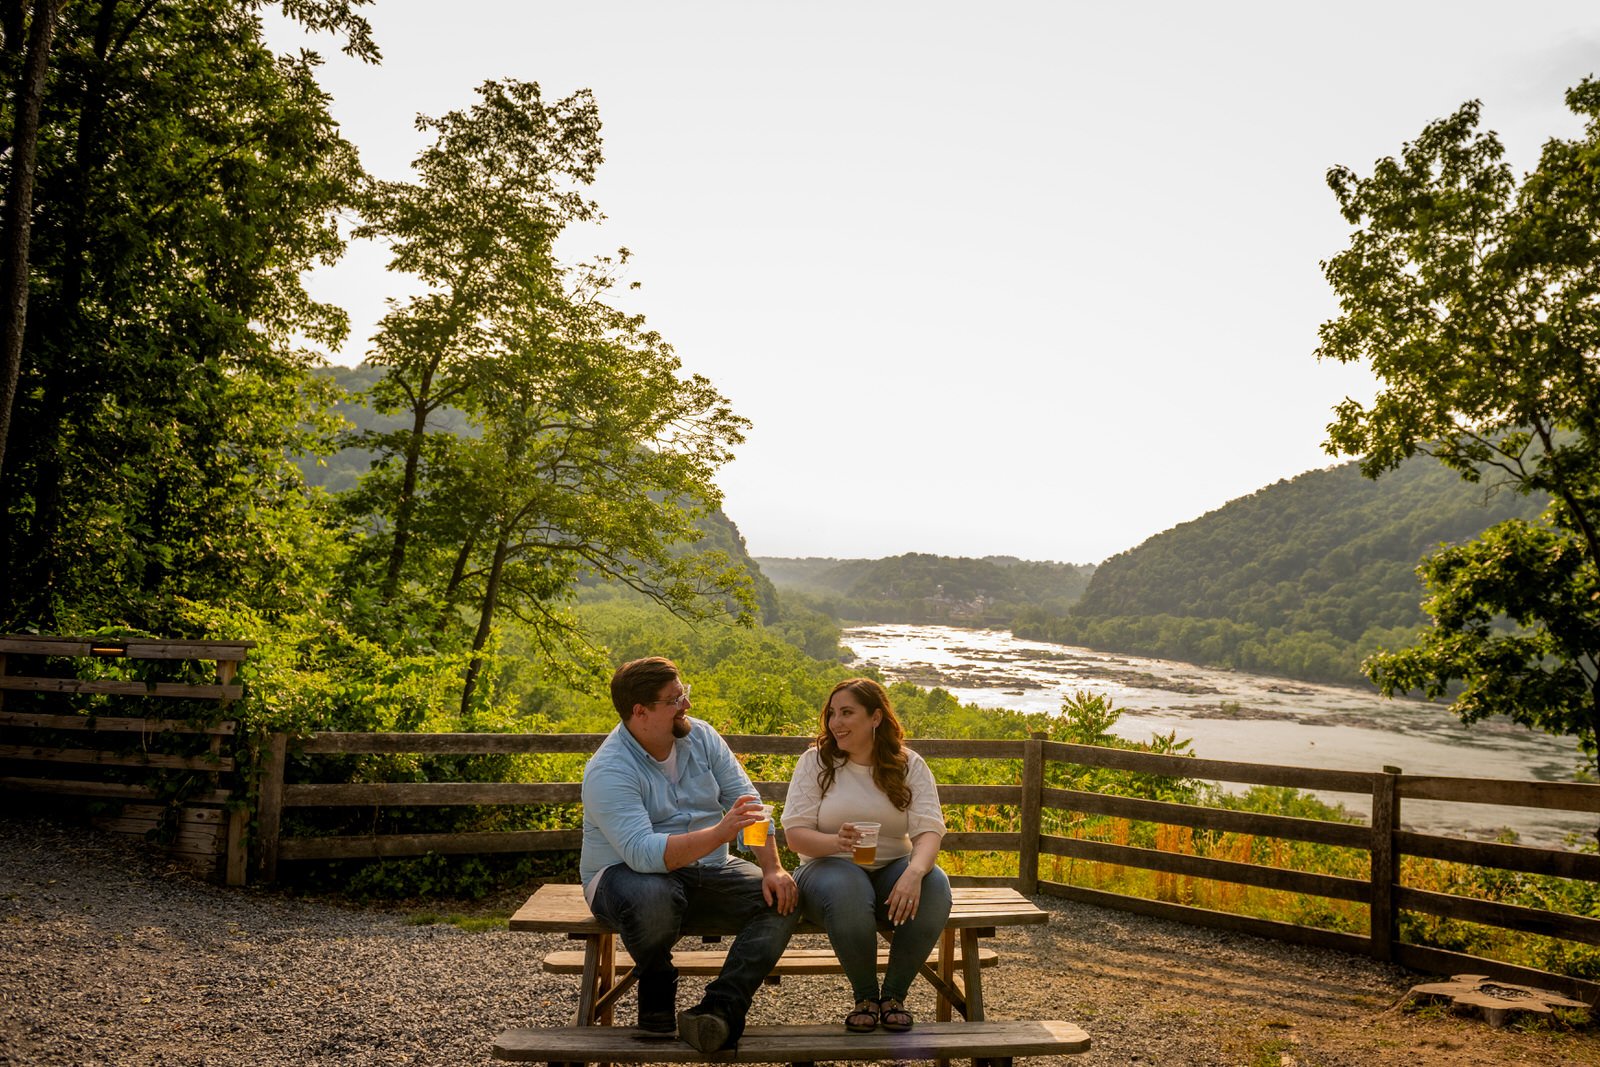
(797, 1044)
(709, 961)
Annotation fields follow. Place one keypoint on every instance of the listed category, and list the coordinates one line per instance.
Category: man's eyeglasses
(680, 702)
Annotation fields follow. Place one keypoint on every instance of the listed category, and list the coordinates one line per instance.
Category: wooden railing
(1383, 838)
(1037, 803)
(68, 735)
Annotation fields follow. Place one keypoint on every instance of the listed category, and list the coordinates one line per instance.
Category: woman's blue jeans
(848, 902)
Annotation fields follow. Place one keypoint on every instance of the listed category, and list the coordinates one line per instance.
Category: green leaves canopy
(592, 454)
(1476, 301)
(187, 178)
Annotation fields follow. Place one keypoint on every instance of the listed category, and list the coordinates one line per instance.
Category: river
(1232, 715)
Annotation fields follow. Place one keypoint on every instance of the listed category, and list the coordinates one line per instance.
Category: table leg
(972, 975)
(599, 972)
(608, 975)
(972, 984)
(947, 970)
(590, 984)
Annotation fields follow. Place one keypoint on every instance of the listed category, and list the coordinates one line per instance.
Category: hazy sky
(1037, 279)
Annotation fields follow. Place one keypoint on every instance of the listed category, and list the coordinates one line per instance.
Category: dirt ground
(110, 957)
(1149, 991)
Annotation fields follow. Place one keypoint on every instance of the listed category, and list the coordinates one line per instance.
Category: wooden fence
(1384, 839)
(75, 725)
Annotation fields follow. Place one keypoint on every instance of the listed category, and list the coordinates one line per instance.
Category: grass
(1269, 1053)
(472, 924)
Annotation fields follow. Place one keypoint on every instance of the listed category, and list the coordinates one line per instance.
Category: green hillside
(918, 587)
(1303, 578)
(342, 469)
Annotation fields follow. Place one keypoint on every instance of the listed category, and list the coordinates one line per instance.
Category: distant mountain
(1304, 577)
(344, 468)
(918, 587)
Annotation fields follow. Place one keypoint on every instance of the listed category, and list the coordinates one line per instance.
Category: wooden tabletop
(561, 909)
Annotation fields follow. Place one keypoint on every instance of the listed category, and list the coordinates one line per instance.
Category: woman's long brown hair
(888, 749)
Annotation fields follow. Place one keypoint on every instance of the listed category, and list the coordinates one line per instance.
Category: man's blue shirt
(630, 807)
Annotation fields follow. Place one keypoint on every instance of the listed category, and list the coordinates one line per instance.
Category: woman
(859, 771)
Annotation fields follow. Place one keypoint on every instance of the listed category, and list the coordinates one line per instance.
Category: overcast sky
(1035, 279)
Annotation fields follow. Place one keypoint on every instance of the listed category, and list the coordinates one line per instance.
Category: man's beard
(680, 727)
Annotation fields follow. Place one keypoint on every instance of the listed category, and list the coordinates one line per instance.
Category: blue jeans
(848, 902)
(651, 910)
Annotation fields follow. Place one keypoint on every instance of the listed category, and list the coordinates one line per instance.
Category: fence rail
(65, 733)
(1383, 839)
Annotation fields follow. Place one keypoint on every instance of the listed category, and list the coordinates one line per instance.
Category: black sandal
(864, 1018)
(894, 1017)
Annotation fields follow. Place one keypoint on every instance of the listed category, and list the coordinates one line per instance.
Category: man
(662, 798)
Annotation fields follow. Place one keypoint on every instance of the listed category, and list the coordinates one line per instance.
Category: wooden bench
(994, 1041)
(975, 913)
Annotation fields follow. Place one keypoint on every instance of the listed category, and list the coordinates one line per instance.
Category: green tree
(1475, 299)
(25, 41)
(186, 178)
(596, 457)
(589, 452)
(493, 192)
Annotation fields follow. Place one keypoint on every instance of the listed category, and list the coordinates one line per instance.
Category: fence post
(235, 865)
(1032, 814)
(1383, 921)
(236, 819)
(269, 811)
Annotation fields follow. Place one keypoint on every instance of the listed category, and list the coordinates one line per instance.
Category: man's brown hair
(639, 682)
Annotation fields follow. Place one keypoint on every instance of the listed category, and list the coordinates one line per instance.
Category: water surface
(1234, 715)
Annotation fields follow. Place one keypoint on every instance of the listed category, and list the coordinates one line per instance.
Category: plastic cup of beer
(755, 835)
(866, 843)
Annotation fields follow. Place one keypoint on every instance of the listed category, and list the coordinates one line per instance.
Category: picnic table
(955, 971)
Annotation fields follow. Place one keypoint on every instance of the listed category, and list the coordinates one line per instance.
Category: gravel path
(108, 956)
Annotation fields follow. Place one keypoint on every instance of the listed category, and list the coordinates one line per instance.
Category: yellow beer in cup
(755, 835)
(867, 844)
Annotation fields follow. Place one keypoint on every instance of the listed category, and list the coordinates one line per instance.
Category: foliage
(1302, 578)
(1475, 299)
(432, 876)
(187, 178)
(339, 470)
(591, 454)
(477, 229)
(1087, 719)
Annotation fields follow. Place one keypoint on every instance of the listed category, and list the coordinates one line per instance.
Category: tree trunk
(420, 409)
(17, 227)
(457, 576)
(68, 380)
(491, 595)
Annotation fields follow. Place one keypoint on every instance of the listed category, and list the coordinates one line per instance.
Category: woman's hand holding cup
(860, 839)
